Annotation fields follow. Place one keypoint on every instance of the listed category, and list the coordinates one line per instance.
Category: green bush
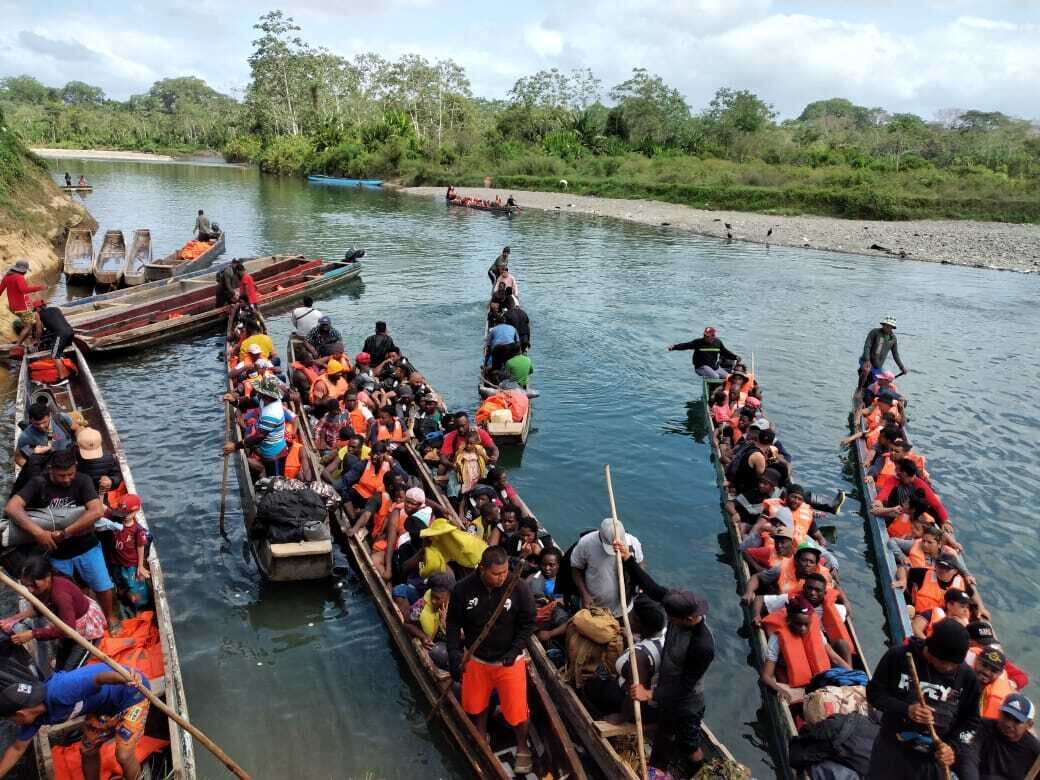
(287, 155)
(243, 149)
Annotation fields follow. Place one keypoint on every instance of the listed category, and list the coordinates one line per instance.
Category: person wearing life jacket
(708, 354)
(728, 436)
(768, 542)
(883, 470)
(982, 636)
(927, 586)
(787, 575)
(329, 384)
(896, 496)
(796, 651)
(904, 748)
(1007, 748)
(828, 604)
(386, 427)
(919, 553)
(427, 618)
(747, 507)
(989, 669)
(956, 605)
(370, 480)
(304, 373)
(294, 460)
(884, 381)
(378, 509)
(801, 514)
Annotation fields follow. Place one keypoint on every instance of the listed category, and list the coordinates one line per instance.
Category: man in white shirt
(593, 567)
(305, 318)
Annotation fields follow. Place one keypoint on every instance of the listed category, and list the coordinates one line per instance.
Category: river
(300, 681)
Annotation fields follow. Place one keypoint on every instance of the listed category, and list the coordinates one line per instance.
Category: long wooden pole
(920, 700)
(227, 460)
(72, 634)
(499, 608)
(633, 662)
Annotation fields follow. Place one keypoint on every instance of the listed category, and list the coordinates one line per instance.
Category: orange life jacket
(803, 518)
(918, 460)
(833, 623)
(307, 371)
(900, 527)
(886, 474)
(770, 544)
(804, 656)
(993, 696)
(46, 370)
(398, 434)
(323, 388)
(934, 616)
(294, 460)
(370, 481)
(358, 421)
(386, 506)
(916, 557)
(930, 595)
(789, 582)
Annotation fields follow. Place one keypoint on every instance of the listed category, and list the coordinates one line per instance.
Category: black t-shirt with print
(41, 493)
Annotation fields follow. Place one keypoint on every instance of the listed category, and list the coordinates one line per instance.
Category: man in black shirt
(517, 317)
(904, 749)
(75, 551)
(880, 342)
(1006, 748)
(379, 344)
(708, 352)
(498, 663)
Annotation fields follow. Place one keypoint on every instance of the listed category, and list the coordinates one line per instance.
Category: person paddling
(880, 343)
(708, 353)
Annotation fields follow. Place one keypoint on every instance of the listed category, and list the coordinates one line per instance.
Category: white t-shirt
(600, 570)
(305, 319)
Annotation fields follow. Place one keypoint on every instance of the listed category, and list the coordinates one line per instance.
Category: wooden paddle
(499, 608)
(227, 459)
(76, 637)
(920, 700)
(633, 661)
(1034, 770)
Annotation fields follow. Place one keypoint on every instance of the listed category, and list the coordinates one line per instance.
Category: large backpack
(290, 516)
(593, 639)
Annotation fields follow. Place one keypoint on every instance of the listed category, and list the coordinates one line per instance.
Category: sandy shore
(995, 245)
(102, 154)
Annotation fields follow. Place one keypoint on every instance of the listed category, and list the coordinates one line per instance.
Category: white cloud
(544, 42)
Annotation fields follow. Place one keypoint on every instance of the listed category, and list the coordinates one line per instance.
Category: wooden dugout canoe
(781, 713)
(79, 256)
(552, 751)
(511, 432)
(81, 395)
(138, 256)
(174, 264)
(110, 260)
(279, 562)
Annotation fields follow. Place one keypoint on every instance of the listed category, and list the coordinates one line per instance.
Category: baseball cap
(606, 534)
(783, 532)
(256, 349)
(981, 631)
(126, 505)
(993, 657)
(684, 603)
(753, 402)
(415, 495)
(946, 561)
(761, 423)
(325, 320)
(88, 440)
(809, 545)
(1018, 707)
(362, 357)
(18, 696)
(956, 595)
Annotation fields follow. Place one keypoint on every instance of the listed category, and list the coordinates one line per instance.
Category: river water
(300, 681)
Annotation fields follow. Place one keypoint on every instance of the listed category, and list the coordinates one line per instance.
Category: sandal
(523, 763)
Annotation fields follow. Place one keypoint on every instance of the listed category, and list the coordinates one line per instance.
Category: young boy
(131, 546)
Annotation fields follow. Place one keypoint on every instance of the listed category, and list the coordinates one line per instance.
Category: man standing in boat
(880, 342)
(68, 179)
(708, 352)
(498, 664)
(203, 229)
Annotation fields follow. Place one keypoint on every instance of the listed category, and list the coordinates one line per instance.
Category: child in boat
(471, 462)
(721, 411)
(131, 547)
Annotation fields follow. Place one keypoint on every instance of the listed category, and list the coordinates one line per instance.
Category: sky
(921, 56)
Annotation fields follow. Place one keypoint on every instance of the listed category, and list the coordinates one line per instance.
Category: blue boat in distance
(335, 181)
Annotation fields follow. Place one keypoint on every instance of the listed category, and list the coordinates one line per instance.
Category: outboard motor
(354, 254)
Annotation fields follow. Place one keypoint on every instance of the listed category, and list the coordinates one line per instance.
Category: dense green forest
(309, 110)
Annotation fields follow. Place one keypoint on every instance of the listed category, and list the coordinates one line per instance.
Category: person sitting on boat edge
(828, 604)
(904, 749)
(268, 441)
(46, 432)
(796, 650)
(708, 354)
(1005, 748)
(426, 619)
(981, 636)
(499, 663)
(880, 342)
(113, 709)
(323, 336)
(305, 317)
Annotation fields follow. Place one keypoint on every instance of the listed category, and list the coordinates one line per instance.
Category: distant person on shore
(68, 179)
(305, 318)
(203, 229)
(880, 342)
(82, 181)
(18, 291)
(708, 352)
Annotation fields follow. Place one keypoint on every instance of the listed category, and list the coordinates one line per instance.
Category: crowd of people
(453, 198)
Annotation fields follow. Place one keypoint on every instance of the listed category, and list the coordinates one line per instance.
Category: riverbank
(996, 245)
(116, 155)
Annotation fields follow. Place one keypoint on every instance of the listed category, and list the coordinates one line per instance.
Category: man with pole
(929, 702)
(113, 709)
(491, 616)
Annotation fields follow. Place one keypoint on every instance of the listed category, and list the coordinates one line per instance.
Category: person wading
(498, 664)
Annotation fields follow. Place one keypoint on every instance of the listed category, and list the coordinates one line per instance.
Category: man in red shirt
(18, 291)
(457, 437)
(899, 491)
(247, 287)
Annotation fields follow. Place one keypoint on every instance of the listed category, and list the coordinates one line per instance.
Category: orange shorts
(480, 679)
(126, 726)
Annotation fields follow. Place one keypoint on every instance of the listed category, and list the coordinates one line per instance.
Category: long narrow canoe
(175, 264)
(82, 397)
(511, 432)
(110, 261)
(595, 735)
(893, 602)
(79, 255)
(507, 210)
(279, 562)
(336, 181)
(554, 755)
(278, 284)
(138, 257)
(76, 188)
(781, 713)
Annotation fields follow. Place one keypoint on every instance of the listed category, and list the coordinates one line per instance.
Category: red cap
(710, 332)
(363, 357)
(129, 503)
(753, 402)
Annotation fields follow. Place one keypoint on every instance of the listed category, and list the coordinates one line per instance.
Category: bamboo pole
(74, 635)
(633, 661)
(920, 700)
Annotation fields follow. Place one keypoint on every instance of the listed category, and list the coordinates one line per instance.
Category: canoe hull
(334, 181)
(138, 257)
(110, 261)
(172, 265)
(79, 256)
